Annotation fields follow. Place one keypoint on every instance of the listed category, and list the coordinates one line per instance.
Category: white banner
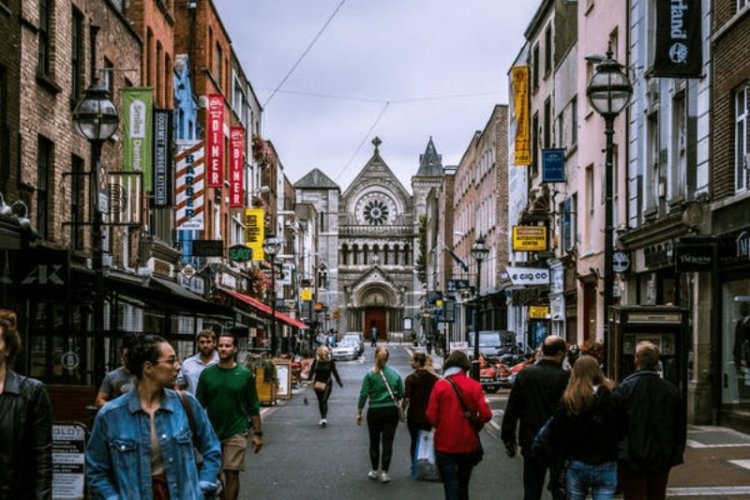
(528, 275)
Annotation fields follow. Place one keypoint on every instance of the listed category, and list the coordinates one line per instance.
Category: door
(374, 316)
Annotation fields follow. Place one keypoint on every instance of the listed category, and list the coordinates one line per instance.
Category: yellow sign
(522, 143)
(305, 294)
(529, 238)
(254, 233)
(538, 312)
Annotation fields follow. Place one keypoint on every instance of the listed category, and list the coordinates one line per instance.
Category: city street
(301, 460)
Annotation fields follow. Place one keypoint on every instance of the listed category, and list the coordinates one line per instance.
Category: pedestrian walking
(141, 447)
(227, 391)
(456, 409)
(193, 366)
(373, 334)
(656, 429)
(25, 424)
(534, 396)
(120, 380)
(322, 372)
(585, 431)
(384, 388)
(417, 388)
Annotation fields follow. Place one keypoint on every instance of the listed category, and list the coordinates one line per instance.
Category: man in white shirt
(195, 364)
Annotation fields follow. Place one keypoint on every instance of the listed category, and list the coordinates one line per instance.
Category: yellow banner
(254, 233)
(306, 294)
(529, 238)
(522, 143)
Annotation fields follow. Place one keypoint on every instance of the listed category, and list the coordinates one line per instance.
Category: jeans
(581, 477)
(455, 471)
(323, 400)
(381, 425)
(534, 471)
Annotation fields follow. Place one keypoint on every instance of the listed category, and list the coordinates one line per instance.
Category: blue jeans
(581, 477)
(455, 471)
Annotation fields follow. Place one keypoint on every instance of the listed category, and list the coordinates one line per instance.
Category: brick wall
(10, 63)
(731, 53)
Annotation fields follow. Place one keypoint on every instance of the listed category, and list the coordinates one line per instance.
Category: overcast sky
(409, 68)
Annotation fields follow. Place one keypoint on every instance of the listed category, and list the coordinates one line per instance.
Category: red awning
(260, 306)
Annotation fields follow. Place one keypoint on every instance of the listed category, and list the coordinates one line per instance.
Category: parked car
(347, 349)
(360, 341)
(491, 342)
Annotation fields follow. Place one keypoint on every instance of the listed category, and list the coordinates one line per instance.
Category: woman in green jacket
(384, 388)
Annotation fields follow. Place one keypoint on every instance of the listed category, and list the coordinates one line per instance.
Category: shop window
(735, 346)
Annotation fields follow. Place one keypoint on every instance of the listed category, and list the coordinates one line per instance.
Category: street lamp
(609, 93)
(271, 247)
(480, 252)
(95, 118)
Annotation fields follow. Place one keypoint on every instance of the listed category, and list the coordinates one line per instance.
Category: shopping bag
(425, 464)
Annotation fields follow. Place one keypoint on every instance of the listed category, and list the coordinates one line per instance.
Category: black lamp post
(609, 93)
(480, 252)
(271, 247)
(95, 118)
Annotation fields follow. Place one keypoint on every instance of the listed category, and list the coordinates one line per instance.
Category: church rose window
(376, 209)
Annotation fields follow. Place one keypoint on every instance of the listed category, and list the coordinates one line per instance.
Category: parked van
(492, 342)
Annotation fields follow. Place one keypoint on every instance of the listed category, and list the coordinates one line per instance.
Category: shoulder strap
(388, 386)
(189, 413)
(460, 396)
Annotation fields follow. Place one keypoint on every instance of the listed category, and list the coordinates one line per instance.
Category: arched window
(366, 260)
(407, 260)
(385, 255)
(355, 254)
(345, 255)
(375, 253)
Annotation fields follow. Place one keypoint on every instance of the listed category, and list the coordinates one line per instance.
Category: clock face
(376, 209)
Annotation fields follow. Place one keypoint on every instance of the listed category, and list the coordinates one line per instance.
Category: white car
(346, 349)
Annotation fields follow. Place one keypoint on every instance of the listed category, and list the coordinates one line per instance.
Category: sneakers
(323, 423)
(384, 477)
(373, 474)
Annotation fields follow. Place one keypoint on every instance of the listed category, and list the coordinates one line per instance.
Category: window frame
(45, 163)
(741, 117)
(44, 48)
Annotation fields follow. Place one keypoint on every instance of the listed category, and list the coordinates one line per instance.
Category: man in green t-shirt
(227, 391)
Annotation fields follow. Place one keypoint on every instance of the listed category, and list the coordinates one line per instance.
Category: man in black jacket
(657, 428)
(535, 395)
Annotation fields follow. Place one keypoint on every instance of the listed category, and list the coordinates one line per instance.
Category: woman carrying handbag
(457, 409)
(322, 371)
(384, 388)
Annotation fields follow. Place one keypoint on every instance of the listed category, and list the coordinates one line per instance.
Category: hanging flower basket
(262, 152)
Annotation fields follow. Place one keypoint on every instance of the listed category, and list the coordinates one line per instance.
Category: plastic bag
(425, 464)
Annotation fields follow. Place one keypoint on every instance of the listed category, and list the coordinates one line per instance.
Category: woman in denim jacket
(142, 445)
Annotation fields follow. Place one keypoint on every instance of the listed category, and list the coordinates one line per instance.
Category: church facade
(370, 251)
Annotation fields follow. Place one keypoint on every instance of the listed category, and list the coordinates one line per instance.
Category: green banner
(137, 107)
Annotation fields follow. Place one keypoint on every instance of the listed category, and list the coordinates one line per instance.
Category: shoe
(323, 423)
(384, 477)
(373, 474)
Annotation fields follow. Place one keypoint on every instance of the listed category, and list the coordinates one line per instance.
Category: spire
(430, 163)
(377, 142)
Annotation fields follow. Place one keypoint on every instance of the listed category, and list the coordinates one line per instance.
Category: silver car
(346, 349)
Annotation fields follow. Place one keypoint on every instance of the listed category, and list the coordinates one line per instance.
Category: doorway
(375, 316)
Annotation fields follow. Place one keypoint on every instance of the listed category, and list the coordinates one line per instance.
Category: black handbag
(476, 424)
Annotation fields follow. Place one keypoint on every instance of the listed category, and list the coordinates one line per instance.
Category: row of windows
(365, 255)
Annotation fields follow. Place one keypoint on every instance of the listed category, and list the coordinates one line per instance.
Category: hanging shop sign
(522, 143)
(208, 248)
(240, 253)
(553, 165)
(538, 312)
(306, 294)
(162, 158)
(677, 52)
(137, 104)
(236, 166)
(215, 140)
(620, 261)
(190, 184)
(254, 232)
(528, 275)
(68, 450)
(529, 238)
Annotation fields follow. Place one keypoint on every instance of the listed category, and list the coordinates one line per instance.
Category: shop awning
(260, 306)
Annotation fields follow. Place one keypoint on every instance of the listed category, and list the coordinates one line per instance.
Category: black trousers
(381, 424)
(323, 400)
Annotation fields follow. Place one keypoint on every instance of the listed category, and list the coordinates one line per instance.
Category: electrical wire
(391, 101)
(367, 135)
(309, 46)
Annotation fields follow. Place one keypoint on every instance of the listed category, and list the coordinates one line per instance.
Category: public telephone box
(665, 326)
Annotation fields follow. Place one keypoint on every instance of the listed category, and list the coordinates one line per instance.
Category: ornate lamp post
(609, 92)
(480, 252)
(95, 118)
(271, 248)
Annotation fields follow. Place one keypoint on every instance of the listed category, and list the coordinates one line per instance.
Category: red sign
(215, 140)
(236, 164)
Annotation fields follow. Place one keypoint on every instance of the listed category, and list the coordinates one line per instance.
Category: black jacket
(534, 397)
(593, 435)
(324, 371)
(25, 439)
(657, 423)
